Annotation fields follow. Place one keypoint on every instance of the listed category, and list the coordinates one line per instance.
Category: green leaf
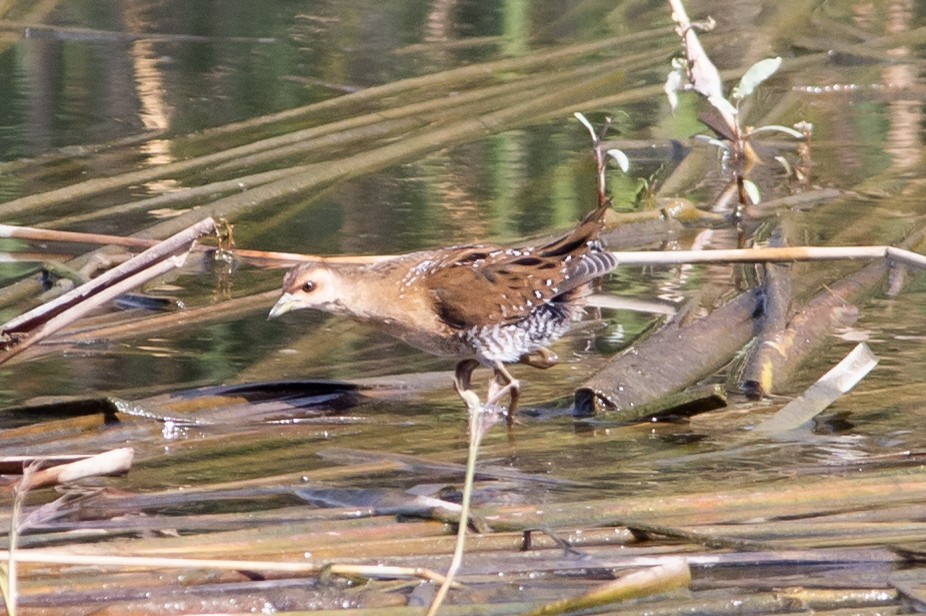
(757, 73)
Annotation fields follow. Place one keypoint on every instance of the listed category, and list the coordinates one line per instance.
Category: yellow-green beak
(283, 305)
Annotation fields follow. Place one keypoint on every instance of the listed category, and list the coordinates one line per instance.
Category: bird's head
(310, 285)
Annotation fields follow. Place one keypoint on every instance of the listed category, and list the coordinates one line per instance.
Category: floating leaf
(784, 163)
(752, 191)
(620, 158)
(757, 73)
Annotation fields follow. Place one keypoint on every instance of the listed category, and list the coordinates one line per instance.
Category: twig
(283, 258)
(156, 253)
(50, 235)
(38, 324)
(749, 255)
(10, 584)
(702, 74)
(55, 557)
(772, 255)
(113, 462)
(66, 317)
(478, 426)
(600, 158)
(676, 257)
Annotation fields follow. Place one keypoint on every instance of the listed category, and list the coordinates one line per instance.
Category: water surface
(101, 88)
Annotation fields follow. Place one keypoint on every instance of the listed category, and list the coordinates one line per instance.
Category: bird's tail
(586, 231)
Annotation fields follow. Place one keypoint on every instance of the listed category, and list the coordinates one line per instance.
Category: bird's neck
(377, 295)
(364, 295)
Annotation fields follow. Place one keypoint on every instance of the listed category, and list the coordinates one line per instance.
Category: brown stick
(772, 255)
(285, 258)
(668, 364)
(48, 235)
(157, 252)
(77, 310)
(807, 331)
(41, 322)
(113, 462)
(747, 255)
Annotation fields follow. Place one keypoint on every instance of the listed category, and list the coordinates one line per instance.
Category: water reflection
(175, 72)
(174, 68)
(905, 138)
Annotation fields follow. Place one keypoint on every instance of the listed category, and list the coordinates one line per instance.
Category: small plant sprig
(602, 155)
(696, 72)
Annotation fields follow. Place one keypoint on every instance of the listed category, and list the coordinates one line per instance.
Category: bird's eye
(308, 286)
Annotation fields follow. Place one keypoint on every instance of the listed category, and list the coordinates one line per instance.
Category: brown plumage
(481, 304)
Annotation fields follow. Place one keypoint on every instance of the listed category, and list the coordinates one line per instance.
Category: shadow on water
(339, 129)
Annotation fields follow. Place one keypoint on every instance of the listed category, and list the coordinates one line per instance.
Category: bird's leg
(502, 384)
(463, 374)
(544, 359)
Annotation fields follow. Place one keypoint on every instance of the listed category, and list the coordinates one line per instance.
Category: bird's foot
(543, 358)
(501, 385)
(486, 415)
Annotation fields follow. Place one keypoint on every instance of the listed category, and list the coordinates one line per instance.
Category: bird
(481, 304)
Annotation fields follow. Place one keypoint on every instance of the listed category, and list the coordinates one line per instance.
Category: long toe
(498, 390)
(514, 393)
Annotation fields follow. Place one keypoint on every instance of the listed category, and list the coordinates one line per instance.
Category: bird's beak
(286, 303)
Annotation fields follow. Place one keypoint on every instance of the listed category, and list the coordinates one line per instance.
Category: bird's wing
(476, 285)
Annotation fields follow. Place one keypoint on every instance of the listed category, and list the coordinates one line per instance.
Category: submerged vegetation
(183, 455)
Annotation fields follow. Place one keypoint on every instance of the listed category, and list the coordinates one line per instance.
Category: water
(107, 72)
